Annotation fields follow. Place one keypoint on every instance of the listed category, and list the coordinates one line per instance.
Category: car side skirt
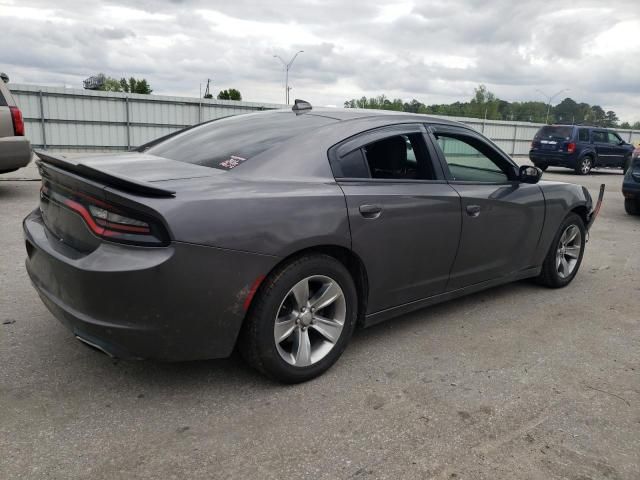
(381, 316)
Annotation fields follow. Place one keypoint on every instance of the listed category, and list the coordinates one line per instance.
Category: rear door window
(600, 136)
(399, 157)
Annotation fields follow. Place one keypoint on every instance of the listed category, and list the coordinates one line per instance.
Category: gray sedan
(281, 231)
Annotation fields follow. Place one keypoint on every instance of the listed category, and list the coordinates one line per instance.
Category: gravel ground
(518, 382)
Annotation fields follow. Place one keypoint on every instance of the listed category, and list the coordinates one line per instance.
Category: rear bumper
(15, 153)
(182, 302)
(554, 159)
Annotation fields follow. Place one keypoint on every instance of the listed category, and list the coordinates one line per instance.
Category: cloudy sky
(432, 50)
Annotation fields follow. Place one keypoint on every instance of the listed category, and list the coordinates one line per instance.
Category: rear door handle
(473, 210)
(370, 211)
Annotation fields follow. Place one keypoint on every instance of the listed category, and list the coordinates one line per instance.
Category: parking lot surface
(517, 382)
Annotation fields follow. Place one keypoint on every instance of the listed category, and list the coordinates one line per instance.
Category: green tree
(611, 119)
(111, 85)
(141, 86)
(231, 94)
(485, 103)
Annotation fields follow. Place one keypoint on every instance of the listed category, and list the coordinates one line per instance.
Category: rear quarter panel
(268, 217)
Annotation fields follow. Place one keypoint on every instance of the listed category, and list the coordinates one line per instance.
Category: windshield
(229, 142)
(555, 133)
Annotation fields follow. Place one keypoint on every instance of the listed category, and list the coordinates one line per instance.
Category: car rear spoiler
(596, 210)
(110, 179)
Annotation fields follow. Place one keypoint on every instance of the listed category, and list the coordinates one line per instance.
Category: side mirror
(530, 174)
(622, 142)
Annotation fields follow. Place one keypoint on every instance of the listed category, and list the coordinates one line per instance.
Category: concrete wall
(85, 120)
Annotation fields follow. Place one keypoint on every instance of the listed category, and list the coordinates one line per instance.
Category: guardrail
(86, 120)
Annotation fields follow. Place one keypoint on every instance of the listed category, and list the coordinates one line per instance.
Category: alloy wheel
(568, 251)
(310, 320)
(585, 166)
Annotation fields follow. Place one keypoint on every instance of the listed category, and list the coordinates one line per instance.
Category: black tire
(626, 164)
(549, 276)
(257, 343)
(542, 166)
(632, 206)
(584, 165)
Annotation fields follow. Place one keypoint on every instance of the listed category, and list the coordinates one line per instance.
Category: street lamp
(287, 66)
(549, 99)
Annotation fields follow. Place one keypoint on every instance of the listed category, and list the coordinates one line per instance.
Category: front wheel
(584, 165)
(542, 166)
(565, 254)
(301, 319)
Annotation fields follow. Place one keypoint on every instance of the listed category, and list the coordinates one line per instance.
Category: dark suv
(631, 185)
(580, 148)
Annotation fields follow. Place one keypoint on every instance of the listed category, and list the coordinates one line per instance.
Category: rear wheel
(565, 254)
(542, 166)
(584, 165)
(301, 320)
(632, 206)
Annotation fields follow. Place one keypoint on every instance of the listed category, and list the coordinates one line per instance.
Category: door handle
(473, 210)
(370, 211)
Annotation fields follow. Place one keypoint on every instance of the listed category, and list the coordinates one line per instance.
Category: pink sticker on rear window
(232, 162)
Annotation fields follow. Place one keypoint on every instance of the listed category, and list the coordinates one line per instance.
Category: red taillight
(18, 121)
(106, 220)
(571, 147)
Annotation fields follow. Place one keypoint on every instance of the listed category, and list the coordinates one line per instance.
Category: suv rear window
(230, 141)
(3, 102)
(555, 133)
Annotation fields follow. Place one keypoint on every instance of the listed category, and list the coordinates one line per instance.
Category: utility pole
(549, 100)
(287, 66)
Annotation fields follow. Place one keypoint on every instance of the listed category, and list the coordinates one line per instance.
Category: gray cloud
(432, 50)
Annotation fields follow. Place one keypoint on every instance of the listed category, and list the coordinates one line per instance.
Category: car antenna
(301, 106)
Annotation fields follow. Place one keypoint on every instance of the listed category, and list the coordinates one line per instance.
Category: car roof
(345, 114)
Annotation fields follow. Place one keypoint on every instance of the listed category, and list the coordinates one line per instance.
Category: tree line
(485, 104)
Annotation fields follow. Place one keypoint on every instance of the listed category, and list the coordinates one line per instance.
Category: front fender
(561, 199)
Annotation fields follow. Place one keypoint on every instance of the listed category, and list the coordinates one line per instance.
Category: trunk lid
(87, 199)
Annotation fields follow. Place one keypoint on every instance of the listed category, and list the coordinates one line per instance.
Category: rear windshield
(229, 142)
(556, 133)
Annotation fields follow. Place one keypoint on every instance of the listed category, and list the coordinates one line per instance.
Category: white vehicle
(15, 149)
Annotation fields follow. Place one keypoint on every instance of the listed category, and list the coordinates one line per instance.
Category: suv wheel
(584, 165)
(626, 164)
(632, 206)
(542, 166)
(301, 319)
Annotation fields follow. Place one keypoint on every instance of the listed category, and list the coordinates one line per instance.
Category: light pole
(287, 66)
(549, 99)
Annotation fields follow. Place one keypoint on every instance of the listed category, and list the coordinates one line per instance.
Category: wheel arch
(583, 212)
(351, 261)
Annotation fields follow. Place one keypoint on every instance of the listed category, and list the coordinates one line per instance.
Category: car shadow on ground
(234, 373)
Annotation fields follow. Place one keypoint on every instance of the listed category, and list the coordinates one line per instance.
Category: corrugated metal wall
(86, 120)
